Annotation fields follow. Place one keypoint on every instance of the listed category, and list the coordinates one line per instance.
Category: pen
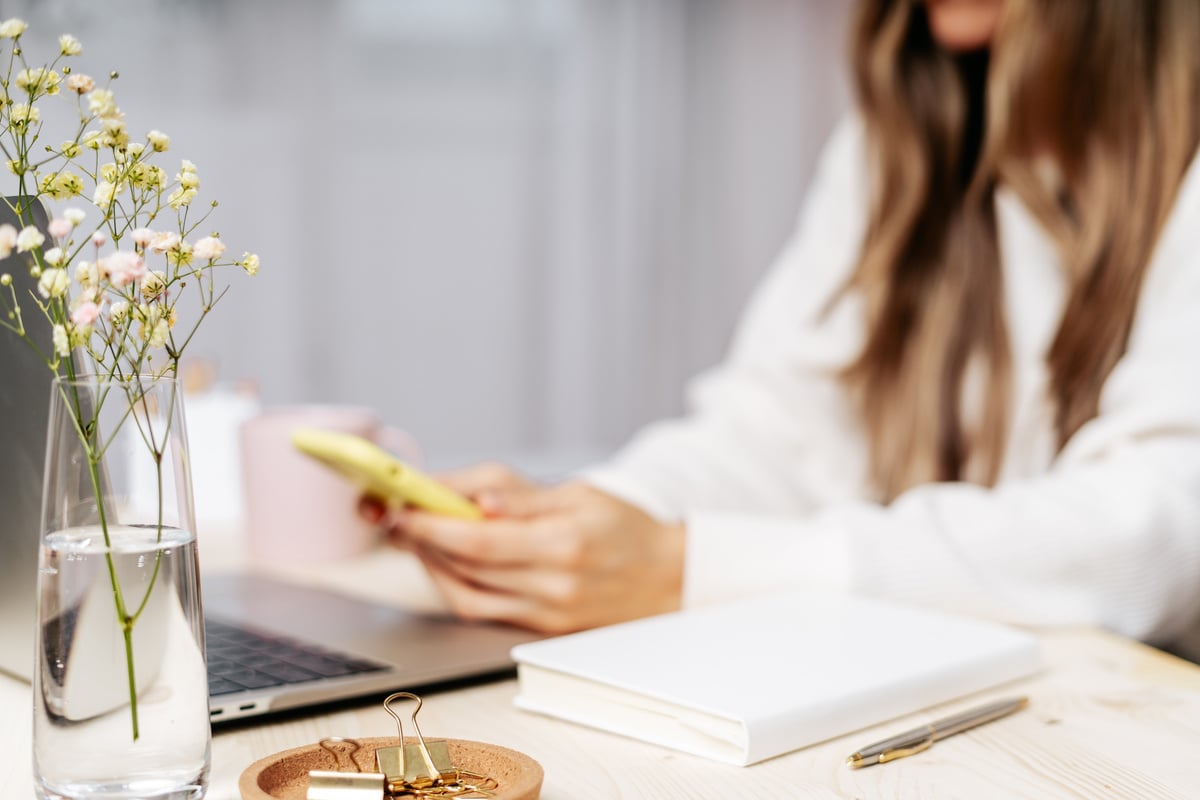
(919, 739)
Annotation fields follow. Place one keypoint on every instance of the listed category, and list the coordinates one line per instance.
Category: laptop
(272, 646)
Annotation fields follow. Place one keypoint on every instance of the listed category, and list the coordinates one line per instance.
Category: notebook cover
(747, 681)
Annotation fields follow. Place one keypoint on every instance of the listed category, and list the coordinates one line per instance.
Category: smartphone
(381, 474)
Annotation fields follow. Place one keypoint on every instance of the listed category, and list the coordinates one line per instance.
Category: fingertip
(371, 509)
(491, 504)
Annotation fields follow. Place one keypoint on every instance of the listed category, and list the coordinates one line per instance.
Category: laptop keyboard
(240, 659)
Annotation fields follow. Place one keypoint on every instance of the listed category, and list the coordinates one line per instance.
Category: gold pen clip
(902, 752)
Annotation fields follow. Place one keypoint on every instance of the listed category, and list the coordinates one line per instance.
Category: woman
(969, 381)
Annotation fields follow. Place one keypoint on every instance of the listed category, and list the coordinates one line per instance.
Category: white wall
(513, 226)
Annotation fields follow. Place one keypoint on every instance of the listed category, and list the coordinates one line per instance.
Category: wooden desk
(1109, 718)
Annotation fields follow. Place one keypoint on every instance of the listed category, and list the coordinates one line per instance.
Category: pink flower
(59, 228)
(142, 236)
(123, 268)
(99, 239)
(208, 248)
(85, 313)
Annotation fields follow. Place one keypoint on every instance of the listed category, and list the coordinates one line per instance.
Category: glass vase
(120, 685)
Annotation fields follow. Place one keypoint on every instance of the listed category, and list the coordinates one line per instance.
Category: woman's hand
(553, 559)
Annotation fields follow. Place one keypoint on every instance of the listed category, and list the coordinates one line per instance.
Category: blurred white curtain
(515, 227)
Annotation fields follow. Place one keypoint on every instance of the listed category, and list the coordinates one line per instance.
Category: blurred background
(513, 227)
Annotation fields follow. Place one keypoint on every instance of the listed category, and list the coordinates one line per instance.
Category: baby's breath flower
(159, 334)
(108, 172)
(68, 45)
(181, 197)
(101, 103)
(21, 116)
(62, 344)
(113, 133)
(154, 284)
(54, 256)
(104, 194)
(12, 28)
(6, 279)
(59, 228)
(90, 140)
(15, 166)
(135, 149)
(249, 263)
(80, 83)
(79, 335)
(8, 240)
(87, 274)
(61, 185)
(119, 312)
(180, 257)
(165, 242)
(86, 313)
(208, 248)
(70, 149)
(159, 141)
(54, 283)
(188, 178)
(29, 238)
(38, 80)
(74, 215)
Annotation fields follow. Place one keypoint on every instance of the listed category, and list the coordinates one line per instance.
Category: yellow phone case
(379, 473)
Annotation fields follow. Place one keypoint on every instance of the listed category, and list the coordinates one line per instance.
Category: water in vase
(83, 718)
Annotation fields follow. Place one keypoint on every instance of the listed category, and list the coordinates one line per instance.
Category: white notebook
(744, 682)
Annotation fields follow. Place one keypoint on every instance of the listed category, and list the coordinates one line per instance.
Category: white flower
(118, 312)
(74, 215)
(29, 238)
(80, 83)
(98, 239)
(208, 248)
(37, 80)
(21, 115)
(181, 197)
(249, 263)
(54, 283)
(62, 343)
(188, 178)
(68, 45)
(8, 240)
(54, 256)
(164, 242)
(87, 274)
(101, 103)
(154, 284)
(158, 140)
(105, 192)
(12, 28)
(160, 334)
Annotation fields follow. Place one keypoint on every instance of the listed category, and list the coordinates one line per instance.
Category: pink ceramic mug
(296, 508)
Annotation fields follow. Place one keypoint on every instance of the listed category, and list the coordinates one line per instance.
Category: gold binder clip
(419, 766)
(339, 784)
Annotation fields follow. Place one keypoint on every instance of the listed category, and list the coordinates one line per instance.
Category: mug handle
(399, 443)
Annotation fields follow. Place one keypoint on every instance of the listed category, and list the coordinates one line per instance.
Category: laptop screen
(24, 405)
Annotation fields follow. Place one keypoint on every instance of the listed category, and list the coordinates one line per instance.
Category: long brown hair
(1105, 91)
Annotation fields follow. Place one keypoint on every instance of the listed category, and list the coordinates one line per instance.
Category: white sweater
(769, 467)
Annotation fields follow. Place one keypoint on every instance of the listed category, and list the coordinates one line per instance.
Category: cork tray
(284, 775)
